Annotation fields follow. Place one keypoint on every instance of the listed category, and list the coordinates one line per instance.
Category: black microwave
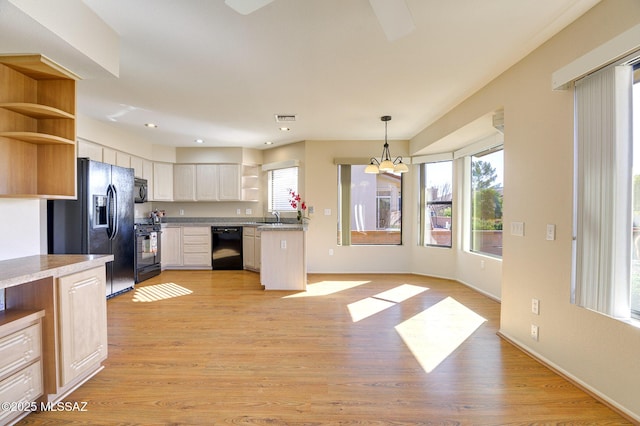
(140, 191)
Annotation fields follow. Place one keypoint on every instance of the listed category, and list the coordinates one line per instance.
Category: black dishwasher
(226, 247)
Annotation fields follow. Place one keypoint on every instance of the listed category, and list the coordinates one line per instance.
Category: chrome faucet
(277, 215)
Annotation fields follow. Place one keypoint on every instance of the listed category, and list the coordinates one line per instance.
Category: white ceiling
(199, 69)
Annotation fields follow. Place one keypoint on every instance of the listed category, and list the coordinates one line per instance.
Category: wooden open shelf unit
(37, 128)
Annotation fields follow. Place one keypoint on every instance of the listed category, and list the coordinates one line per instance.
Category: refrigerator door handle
(116, 221)
(112, 209)
(109, 212)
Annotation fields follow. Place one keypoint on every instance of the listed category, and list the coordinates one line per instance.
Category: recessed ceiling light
(285, 129)
(151, 125)
(268, 143)
(199, 141)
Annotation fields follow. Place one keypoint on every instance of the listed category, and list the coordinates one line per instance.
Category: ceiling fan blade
(245, 7)
(394, 17)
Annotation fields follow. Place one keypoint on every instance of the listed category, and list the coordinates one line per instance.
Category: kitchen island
(284, 257)
(53, 332)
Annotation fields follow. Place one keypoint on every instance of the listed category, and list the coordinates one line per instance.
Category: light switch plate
(535, 306)
(551, 232)
(517, 229)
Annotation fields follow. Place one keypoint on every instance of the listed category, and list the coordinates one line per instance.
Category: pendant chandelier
(386, 164)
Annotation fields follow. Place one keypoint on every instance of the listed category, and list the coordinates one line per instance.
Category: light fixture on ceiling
(268, 143)
(285, 129)
(199, 140)
(151, 125)
(386, 164)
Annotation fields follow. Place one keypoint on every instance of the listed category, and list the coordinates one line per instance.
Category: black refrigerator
(99, 221)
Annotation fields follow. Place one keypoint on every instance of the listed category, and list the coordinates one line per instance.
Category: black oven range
(148, 251)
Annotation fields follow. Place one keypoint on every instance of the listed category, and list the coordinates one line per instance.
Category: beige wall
(321, 188)
(600, 352)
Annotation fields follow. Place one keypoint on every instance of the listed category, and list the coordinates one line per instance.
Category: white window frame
(423, 211)
(345, 199)
(493, 142)
(601, 278)
(286, 179)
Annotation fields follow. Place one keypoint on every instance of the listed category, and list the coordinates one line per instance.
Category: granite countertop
(211, 221)
(31, 268)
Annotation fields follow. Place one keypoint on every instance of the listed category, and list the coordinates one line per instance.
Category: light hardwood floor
(231, 353)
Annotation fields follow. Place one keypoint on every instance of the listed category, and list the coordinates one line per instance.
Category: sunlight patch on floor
(153, 293)
(401, 293)
(366, 307)
(372, 305)
(433, 334)
(324, 288)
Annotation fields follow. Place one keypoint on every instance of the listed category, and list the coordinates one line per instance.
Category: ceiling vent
(285, 118)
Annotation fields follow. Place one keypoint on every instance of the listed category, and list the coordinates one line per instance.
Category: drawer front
(197, 259)
(197, 230)
(22, 387)
(19, 349)
(196, 248)
(196, 239)
(249, 231)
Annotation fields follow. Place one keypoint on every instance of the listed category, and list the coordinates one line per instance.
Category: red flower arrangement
(297, 203)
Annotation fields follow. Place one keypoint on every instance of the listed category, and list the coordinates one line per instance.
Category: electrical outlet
(248, 211)
(238, 211)
(283, 244)
(330, 252)
(535, 306)
(181, 212)
(534, 332)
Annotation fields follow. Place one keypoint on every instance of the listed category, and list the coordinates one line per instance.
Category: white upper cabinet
(136, 165)
(109, 156)
(89, 150)
(123, 159)
(230, 188)
(184, 182)
(162, 181)
(207, 182)
(147, 173)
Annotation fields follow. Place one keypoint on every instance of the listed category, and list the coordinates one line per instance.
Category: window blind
(281, 181)
(603, 191)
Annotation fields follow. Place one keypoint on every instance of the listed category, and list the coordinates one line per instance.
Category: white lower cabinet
(82, 316)
(186, 247)
(251, 246)
(196, 247)
(171, 243)
(20, 361)
(53, 337)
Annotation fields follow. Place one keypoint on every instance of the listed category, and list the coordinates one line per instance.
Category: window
(486, 202)
(370, 207)
(280, 182)
(436, 202)
(635, 253)
(603, 203)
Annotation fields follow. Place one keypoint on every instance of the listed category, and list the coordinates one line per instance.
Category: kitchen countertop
(262, 226)
(31, 268)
